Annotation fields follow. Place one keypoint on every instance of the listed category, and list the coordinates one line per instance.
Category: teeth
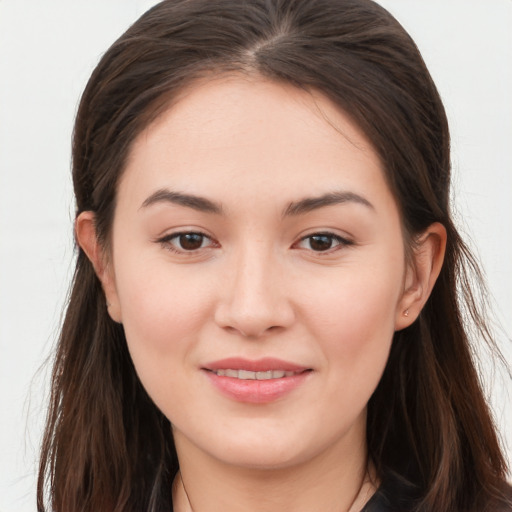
(248, 375)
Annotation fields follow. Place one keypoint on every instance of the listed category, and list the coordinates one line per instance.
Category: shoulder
(395, 494)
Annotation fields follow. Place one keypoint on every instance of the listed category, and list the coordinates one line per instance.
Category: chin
(264, 458)
(264, 449)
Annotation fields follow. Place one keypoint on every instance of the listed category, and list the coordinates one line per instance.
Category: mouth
(250, 368)
(257, 382)
(250, 375)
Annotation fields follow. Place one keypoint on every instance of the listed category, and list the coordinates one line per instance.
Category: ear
(85, 231)
(421, 274)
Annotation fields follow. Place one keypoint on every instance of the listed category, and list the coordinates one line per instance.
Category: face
(257, 266)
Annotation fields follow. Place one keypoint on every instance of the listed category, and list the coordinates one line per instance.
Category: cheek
(162, 313)
(354, 324)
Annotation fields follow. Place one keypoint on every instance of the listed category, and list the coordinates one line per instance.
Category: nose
(254, 299)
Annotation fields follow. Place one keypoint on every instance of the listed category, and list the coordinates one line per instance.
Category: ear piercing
(406, 312)
(108, 304)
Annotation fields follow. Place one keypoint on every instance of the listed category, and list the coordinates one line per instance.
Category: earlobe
(85, 231)
(421, 274)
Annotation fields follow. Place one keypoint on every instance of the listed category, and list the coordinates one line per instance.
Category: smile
(250, 375)
(256, 381)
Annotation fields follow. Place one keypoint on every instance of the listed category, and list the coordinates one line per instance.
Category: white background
(47, 51)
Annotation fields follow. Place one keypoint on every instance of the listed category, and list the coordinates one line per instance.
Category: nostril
(251, 333)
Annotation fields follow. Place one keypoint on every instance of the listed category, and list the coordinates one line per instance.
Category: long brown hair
(106, 446)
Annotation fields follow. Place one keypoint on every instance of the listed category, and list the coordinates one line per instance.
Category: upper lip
(254, 365)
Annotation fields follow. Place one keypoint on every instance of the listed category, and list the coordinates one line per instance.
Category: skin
(259, 287)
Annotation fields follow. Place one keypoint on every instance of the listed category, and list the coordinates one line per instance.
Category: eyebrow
(190, 201)
(301, 207)
(309, 204)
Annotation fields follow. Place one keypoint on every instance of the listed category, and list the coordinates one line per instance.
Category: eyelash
(166, 242)
(341, 241)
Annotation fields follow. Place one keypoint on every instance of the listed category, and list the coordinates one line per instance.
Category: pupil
(320, 242)
(191, 241)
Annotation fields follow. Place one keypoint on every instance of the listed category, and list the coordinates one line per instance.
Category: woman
(264, 313)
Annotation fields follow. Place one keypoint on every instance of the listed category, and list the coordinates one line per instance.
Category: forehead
(245, 132)
(238, 105)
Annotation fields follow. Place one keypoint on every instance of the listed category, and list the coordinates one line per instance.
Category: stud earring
(406, 312)
(108, 305)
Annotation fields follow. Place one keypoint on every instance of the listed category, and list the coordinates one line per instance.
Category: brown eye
(321, 242)
(190, 241)
(186, 242)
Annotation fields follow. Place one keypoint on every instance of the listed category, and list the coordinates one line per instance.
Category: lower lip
(256, 391)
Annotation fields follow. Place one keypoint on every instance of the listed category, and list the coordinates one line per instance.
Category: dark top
(395, 494)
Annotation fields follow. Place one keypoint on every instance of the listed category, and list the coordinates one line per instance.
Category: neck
(338, 480)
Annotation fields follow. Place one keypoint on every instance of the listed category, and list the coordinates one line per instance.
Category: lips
(255, 381)
(249, 375)
(258, 365)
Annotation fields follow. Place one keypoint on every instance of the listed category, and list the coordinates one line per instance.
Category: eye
(323, 242)
(186, 241)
